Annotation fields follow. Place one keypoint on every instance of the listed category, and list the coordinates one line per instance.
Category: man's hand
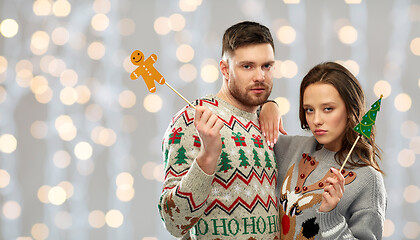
(333, 191)
(208, 126)
(271, 122)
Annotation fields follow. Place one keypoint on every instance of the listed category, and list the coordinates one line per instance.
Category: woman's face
(326, 114)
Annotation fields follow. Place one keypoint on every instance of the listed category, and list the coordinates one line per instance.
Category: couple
(225, 180)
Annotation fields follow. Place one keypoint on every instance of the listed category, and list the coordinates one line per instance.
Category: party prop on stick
(149, 73)
(365, 126)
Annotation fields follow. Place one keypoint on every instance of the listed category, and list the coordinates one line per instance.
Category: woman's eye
(267, 66)
(309, 110)
(328, 109)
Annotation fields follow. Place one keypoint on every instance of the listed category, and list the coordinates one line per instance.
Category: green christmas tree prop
(267, 161)
(256, 159)
(243, 158)
(181, 156)
(224, 163)
(365, 126)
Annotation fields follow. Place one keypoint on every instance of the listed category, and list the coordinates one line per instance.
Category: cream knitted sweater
(239, 200)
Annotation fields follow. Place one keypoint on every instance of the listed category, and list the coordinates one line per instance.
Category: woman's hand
(271, 122)
(333, 191)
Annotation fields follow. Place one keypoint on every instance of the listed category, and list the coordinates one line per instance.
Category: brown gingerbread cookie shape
(146, 70)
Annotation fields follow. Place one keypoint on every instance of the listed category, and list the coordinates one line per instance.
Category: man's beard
(243, 95)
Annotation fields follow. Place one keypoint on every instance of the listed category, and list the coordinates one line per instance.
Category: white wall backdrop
(80, 142)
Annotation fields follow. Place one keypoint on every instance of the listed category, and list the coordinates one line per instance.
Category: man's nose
(259, 75)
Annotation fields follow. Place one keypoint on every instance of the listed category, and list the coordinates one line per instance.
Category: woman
(311, 189)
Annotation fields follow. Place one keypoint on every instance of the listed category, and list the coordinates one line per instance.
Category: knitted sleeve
(364, 222)
(186, 187)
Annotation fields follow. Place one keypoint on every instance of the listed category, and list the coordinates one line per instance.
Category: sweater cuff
(197, 182)
(331, 223)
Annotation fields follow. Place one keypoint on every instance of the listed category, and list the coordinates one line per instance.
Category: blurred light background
(80, 142)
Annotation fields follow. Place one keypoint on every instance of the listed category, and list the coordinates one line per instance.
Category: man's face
(250, 75)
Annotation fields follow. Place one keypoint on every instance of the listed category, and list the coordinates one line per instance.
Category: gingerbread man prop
(146, 70)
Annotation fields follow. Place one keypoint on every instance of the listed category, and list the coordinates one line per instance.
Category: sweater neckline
(325, 154)
(232, 109)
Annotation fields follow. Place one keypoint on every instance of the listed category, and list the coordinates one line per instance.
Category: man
(220, 174)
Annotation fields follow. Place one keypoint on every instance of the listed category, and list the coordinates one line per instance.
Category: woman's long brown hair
(352, 94)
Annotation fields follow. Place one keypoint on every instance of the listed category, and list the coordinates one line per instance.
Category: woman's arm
(364, 224)
(271, 122)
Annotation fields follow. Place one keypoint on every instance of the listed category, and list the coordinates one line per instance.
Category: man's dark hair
(244, 34)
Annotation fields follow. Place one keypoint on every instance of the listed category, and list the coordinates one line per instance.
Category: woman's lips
(320, 132)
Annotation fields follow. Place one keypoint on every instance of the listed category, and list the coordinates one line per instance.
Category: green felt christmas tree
(365, 126)
(181, 156)
(224, 163)
(368, 120)
(243, 158)
(256, 159)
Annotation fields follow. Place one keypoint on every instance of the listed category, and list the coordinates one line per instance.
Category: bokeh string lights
(80, 142)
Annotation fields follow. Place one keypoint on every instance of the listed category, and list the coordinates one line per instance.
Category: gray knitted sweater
(360, 214)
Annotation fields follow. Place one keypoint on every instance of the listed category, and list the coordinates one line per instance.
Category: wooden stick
(351, 150)
(173, 89)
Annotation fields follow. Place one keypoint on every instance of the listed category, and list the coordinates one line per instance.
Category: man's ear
(224, 68)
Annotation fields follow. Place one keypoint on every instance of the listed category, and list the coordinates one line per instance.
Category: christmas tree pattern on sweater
(242, 188)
